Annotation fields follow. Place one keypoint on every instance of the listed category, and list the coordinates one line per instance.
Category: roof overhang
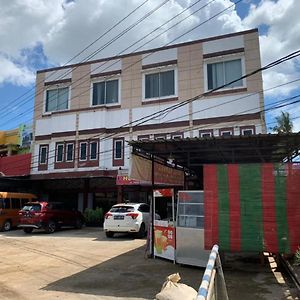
(194, 152)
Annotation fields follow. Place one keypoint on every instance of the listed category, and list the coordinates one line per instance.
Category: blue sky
(32, 39)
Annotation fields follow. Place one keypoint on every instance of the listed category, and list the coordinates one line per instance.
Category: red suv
(49, 216)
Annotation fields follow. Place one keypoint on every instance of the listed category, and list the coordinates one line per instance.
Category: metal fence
(213, 285)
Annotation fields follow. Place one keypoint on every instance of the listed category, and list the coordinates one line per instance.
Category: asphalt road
(84, 264)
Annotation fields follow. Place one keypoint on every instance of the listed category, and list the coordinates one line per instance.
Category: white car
(127, 217)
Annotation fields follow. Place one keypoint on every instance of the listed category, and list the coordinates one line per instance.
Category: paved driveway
(81, 264)
(84, 264)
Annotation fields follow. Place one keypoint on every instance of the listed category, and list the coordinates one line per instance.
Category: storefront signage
(141, 169)
(164, 240)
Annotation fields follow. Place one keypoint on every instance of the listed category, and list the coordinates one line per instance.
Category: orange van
(10, 204)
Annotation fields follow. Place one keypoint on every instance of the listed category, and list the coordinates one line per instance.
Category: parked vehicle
(127, 217)
(49, 216)
(10, 204)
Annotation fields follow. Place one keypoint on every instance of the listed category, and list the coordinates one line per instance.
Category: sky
(38, 34)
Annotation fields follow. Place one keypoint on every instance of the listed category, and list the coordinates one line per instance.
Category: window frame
(87, 151)
(66, 152)
(144, 137)
(157, 71)
(177, 135)
(223, 59)
(206, 131)
(99, 80)
(51, 88)
(160, 136)
(122, 149)
(46, 154)
(56, 152)
(227, 129)
(244, 128)
(90, 148)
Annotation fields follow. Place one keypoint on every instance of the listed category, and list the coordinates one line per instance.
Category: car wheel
(78, 224)
(51, 227)
(27, 230)
(6, 225)
(142, 231)
(109, 234)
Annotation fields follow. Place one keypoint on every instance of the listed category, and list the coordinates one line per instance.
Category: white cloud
(23, 24)
(64, 28)
(15, 74)
(72, 34)
(281, 38)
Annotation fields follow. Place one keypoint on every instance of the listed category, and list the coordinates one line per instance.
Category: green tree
(284, 123)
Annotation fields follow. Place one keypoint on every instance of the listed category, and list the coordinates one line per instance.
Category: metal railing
(213, 285)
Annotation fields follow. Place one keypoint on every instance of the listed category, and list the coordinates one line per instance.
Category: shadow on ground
(127, 275)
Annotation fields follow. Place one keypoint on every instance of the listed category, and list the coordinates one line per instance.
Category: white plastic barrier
(213, 285)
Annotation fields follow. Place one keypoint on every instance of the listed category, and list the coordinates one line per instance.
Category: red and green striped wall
(252, 207)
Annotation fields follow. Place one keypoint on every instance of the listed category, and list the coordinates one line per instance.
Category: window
(118, 153)
(160, 84)
(177, 136)
(205, 133)
(59, 152)
(247, 130)
(6, 202)
(43, 155)
(15, 203)
(145, 137)
(226, 132)
(83, 151)
(144, 208)
(93, 150)
(69, 152)
(106, 92)
(221, 73)
(160, 137)
(57, 99)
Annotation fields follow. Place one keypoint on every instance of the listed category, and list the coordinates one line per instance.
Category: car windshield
(30, 207)
(122, 209)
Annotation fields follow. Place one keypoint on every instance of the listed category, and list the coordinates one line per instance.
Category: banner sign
(164, 240)
(141, 170)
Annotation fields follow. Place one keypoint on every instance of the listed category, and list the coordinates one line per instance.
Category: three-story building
(85, 113)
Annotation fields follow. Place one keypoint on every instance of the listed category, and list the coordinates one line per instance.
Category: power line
(285, 58)
(278, 104)
(106, 45)
(76, 55)
(86, 75)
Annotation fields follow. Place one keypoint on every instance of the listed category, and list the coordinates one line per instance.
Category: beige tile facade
(190, 80)
(80, 90)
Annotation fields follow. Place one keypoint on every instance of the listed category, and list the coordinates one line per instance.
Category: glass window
(118, 149)
(226, 133)
(43, 154)
(122, 209)
(106, 92)
(57, 99)
(15, 203)
(60, 152)
(33, 207)
(24, 201)
(247, 131)
(83, 151)
(160, 84)
(70, 152)
(219, 74)
(1, 203)
(205, 133)
(6, 202)
(93, 150)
